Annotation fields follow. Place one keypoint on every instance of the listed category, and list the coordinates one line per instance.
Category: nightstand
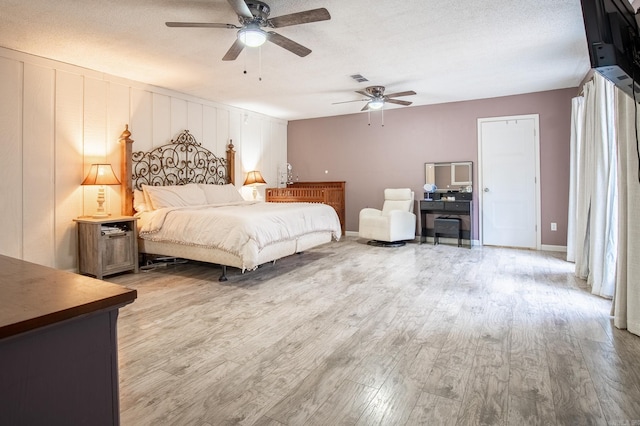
(107, 246)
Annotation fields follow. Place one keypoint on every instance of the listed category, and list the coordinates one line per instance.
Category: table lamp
(101, 174)
(255, 179)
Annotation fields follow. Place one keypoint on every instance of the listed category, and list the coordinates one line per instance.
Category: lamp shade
(101, 174)
(252, 36)
(254, 178)
(376, 103)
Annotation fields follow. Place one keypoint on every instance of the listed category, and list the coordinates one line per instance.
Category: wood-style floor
(350, 334)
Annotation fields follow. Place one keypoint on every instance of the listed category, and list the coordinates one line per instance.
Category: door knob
(486, 190)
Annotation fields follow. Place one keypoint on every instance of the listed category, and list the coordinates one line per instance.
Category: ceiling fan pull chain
(260, 63)
(382, 112)
(369, 116)
(244, 57)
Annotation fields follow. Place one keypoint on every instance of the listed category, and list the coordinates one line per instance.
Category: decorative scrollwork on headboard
(183, 160)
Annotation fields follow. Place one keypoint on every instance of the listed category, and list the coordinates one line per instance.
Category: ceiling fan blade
(407, 93)
(234, 51)
(366, 107)
(362, 92)
(344, 102)
(288, 44)
(199, 25)
(313, 15)
(241, 8)
(399, 102)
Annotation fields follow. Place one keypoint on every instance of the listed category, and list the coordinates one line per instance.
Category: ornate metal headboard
(183, 160)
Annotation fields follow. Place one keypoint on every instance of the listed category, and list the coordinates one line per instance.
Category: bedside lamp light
(101, 174)
(255, 179)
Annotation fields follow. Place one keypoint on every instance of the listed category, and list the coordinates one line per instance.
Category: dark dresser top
(34, 296)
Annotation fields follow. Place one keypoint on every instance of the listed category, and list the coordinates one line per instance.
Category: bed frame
(183, 161)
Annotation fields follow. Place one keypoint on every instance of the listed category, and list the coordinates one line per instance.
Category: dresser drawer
(431, 205)
(457, 206)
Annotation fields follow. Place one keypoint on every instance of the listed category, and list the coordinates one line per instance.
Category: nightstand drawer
(118, 252)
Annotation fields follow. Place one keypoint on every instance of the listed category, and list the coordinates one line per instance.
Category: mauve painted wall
(371, 158)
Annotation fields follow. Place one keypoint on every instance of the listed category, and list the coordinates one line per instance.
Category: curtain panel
(594, 188)
(626, 303)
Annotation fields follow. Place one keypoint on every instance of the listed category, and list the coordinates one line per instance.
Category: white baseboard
(549, 247)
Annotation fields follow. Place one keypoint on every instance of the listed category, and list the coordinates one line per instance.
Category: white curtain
(595, 234)
(577, 124)
(626, 304)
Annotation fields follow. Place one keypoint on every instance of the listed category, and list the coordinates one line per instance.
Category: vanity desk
(450, 228)
(448, 200)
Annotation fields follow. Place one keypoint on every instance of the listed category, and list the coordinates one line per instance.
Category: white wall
(57, 119)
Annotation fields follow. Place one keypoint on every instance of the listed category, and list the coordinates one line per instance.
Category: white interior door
(508, 177)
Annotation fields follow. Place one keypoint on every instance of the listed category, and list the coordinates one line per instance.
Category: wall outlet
(554, 226)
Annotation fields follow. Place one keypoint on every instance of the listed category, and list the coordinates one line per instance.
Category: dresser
(58, 346)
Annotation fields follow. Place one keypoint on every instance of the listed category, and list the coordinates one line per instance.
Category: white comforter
(241, 228)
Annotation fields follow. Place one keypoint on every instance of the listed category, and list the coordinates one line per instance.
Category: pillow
(140, 203)
(175, 195)
(217, 194)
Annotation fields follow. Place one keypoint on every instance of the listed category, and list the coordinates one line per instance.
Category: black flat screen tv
(614, 45)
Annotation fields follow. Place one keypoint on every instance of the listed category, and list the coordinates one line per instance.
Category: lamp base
(101, 212)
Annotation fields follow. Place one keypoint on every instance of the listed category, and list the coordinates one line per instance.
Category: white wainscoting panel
(11, 157)
(162, 133)
(68, 165)
(195, 120)
(210, 128)
(38, 165)
(95, 137)
(142, 121)
(179, 121)
(117, 117)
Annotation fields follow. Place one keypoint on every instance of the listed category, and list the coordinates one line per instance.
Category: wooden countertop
(34, 296)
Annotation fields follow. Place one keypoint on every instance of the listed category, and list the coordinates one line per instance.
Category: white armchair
(392, 225)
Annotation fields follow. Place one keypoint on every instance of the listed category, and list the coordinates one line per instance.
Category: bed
(188, 207)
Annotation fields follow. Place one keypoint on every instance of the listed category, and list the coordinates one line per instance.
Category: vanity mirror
(454, 176)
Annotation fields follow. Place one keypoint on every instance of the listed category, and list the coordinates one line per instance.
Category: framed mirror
(461, 174)
(455, 176)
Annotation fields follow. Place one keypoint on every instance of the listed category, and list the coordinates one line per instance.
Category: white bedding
(243, 228)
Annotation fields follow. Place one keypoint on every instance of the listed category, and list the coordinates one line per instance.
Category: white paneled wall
(57, 119)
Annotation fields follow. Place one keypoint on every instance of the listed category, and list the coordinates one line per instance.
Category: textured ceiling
(446, 51)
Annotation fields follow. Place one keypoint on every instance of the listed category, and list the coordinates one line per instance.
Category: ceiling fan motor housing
(260, 12)
(375, 91)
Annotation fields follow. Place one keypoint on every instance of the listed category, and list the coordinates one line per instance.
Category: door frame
(536, 138)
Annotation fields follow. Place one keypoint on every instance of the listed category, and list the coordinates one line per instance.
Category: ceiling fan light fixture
(376, 103)
(252, 36)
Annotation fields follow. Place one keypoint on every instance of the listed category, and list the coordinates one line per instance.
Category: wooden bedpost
(126, 192)
(231, 166)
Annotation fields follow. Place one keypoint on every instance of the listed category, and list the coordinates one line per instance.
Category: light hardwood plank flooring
(350, 334)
